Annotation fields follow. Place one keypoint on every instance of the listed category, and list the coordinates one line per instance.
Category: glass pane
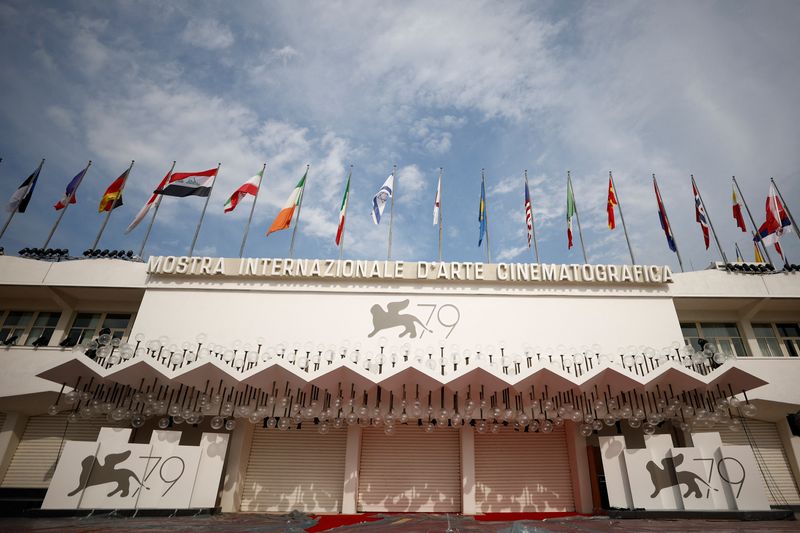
(47, 320)
(763, 331)
(116, 321)
(791, 346)
(720, 330)
(86, 320)
(724, 345)
(789, 330)
(18, 318)
(689, 330)
(769, 347)
(739, 348)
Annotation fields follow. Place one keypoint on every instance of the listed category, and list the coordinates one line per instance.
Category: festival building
(339, 386)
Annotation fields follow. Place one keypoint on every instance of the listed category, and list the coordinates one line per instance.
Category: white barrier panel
(115, 474)
(662, 477)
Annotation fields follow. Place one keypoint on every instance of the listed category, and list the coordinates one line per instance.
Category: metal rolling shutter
(35, 458)
(522, 472)
(766, 442)
(295, 470)
(2, 420)
(410, 471)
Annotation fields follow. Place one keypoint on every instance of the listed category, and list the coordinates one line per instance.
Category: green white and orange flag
(343, 210)
(284, 218)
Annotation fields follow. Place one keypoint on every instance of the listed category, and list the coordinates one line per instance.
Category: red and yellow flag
(112, 198)
(612, 201)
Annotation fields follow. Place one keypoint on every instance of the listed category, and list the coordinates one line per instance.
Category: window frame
(101, 323)
(716, 340)
(22, 340)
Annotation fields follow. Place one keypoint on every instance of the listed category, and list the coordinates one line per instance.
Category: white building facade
(356, 386)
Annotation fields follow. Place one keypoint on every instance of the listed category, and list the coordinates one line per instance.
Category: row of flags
(184, 184)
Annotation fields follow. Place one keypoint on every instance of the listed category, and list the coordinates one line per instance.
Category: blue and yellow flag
(482, 213)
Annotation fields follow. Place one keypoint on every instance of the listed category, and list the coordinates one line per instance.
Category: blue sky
(672, 88)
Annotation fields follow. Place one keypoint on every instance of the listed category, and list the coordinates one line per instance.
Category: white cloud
(410, 182)
(507, 254)
(207, 33)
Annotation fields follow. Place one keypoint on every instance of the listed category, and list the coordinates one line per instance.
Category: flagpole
(391, 211)
(708, 217)
(441, 172)
(666, 218)
(203, 213)
(299, 208)
(577, 217)
(108, 215)
(252, 208)
(344, 218)
(622, 217)
(155, 212)
(66, 206)
(753, 222)
(785, 208)
(14, 212)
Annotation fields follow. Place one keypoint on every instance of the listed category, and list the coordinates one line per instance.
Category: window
(14, 327)
(87, 326)
(767, 341)
(725, 336)
(42, 330)
(24, 328)
(790, 335)
(691, 334)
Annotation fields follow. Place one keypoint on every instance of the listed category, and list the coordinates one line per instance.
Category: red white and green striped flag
(248, 187)
(343, 210)
(570, 212)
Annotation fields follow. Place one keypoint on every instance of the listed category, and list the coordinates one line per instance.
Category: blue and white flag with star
(380, 198)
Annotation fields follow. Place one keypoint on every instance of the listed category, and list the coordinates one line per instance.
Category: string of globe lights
(442, 358)
(284, 407)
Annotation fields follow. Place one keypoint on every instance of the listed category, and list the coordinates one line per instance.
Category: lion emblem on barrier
(391, 318)
(667, 476)
(93, 473)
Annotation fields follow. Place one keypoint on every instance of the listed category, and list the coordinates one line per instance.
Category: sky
(674, 89)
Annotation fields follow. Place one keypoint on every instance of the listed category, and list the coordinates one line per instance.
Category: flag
(19, 200)
(72, 186)
(737, 212)
(284, 218)
(379, 200)
(528, 213)
(437, 204)
(112, 198)
(700, 213)
(343, 210)
(612, 201)
(183, 184)
(570, 212)
(146, 207)
(777, 221)
(482, 213)
(757, 254)
(662, 217)
(739, 258)
(248, 187)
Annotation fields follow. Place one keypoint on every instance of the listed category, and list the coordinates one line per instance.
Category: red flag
(612, 201)
(737, 212)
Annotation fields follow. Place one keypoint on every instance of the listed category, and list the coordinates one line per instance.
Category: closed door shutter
(37, 453)
(295, 470)
(522, 472)
(776, 474)
(410, 471)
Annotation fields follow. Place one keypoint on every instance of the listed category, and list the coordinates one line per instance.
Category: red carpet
(330, 521)
(511, 517)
